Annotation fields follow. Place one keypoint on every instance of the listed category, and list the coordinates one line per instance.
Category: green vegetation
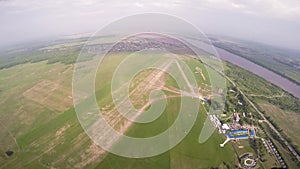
(260, 90)
(287, 121)
(284, 62)
(39, 124)
(42, 136)
(286, 155)
(188, 154)
(65, 56)
(281, 109)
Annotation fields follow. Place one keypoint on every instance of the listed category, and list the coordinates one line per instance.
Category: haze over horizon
(272, 22)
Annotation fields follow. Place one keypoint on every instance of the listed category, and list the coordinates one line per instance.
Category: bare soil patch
(50, 94)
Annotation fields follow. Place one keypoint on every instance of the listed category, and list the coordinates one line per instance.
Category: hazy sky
(275, 22)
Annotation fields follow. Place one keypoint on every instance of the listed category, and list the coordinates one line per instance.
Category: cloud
(57, 17)
(287, 9)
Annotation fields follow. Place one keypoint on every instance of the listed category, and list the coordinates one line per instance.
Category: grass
(283, 111)
(260, 90)
(270, 160)
(188, 154)
(284, 153)
(17, 109)
(246, 147)
(31, 124)
(287, 121)
(49, 137)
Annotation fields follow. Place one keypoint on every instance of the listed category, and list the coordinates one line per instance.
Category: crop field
(39, 123)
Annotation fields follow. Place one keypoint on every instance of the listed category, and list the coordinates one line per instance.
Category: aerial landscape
(150, 87)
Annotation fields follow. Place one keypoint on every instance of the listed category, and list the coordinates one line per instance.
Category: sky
(274, 22)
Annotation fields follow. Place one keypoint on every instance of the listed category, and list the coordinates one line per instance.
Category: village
(237, 123)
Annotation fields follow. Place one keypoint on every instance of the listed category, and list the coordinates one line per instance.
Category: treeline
(256, 58)
(286, 103)
(253, 84)
(67, 56)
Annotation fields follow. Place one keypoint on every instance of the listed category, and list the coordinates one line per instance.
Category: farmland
(44, 135)
(40, 126)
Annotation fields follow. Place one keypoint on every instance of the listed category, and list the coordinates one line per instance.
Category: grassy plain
(286, 155)
(40, 134)
(45, 132)
(39, 124)
(38, 121)
(288, 121)
(189, 153)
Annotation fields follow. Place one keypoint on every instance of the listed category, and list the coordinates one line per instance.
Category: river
(270, 76)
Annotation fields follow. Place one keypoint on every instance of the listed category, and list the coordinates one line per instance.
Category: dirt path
(115, 119)
(11, 135)
(192, 90)
(152, 83)
(269, 97)
(142, 88)
(199, 70)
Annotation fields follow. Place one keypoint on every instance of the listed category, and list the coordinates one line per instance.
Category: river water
(270, 76)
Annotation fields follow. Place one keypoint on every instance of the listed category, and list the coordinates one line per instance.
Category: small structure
(237, 134)
(244, 114)
(236, 117)
(225, 127)
(232, 91)
(9, 153)
(240, 134)
(216, 122)
(248, 161)
(223, 115)
(226, 141)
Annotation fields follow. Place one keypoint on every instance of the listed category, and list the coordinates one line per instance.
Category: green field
(188, 154)
(287, 121)
(44, 134)
(39, 124)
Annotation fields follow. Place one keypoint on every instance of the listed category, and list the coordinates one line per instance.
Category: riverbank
(267, 74)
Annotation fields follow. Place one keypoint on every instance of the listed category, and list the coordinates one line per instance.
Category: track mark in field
(50, 94)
